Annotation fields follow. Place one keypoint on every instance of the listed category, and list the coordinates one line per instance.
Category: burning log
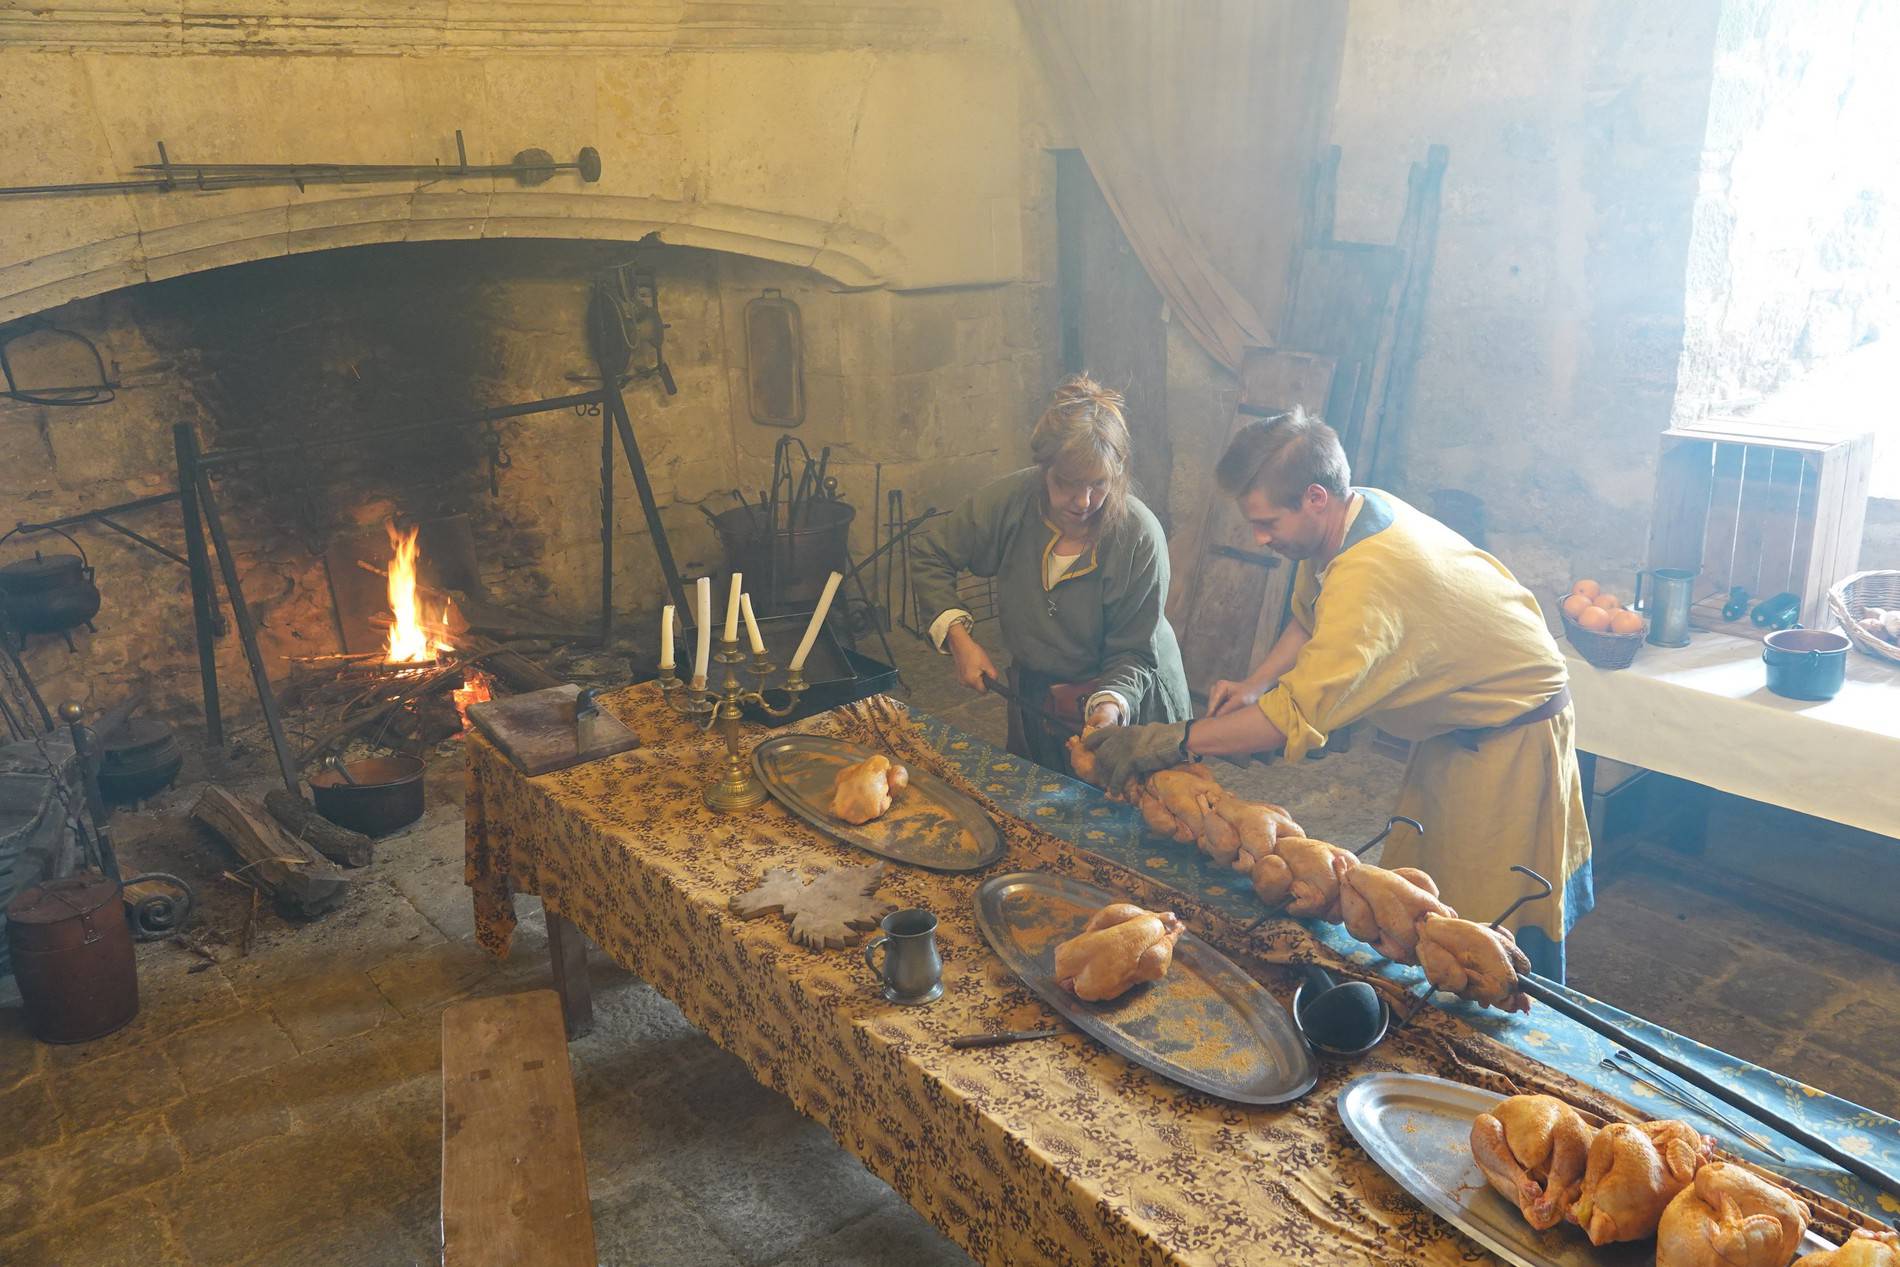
(337, 843)
(300, 882)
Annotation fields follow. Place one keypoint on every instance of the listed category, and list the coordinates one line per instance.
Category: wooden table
(1055, 1151)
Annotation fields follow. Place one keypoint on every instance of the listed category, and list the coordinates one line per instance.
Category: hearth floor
(285, 1107)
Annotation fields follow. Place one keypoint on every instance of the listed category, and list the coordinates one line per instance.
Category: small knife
(1007, 1036)
(587, 722)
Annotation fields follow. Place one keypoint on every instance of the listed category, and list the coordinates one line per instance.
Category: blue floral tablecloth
(1082, 815)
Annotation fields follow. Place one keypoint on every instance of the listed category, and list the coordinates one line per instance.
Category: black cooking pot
(137, 760)
(49, 593)
(386, 794)
(1805, 663)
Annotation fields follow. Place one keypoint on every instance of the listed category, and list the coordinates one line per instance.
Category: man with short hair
(1398, 619)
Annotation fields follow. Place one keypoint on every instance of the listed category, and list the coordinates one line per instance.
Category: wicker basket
(1849, 600)
(1605, 650)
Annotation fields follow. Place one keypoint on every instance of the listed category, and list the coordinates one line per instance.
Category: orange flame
(409, 642)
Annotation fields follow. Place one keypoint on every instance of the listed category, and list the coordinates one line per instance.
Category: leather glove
(1125, 752)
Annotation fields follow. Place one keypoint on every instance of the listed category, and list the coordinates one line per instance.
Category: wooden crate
(1769, 511)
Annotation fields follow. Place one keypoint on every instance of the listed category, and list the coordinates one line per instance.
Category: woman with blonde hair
(1081, 574)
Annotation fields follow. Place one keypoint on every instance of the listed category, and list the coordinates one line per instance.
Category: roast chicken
(1121, 946)
(1863, 1249)
(1729, 1217)
(1305, 875)
(1533, 1149)
(1473, 961)
(1385, 908)
(862, 791)
(1633, 1173)
(1172, 801)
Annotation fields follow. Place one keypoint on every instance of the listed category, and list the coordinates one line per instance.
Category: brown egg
(1586, 588)
(1608, 602)
(1594, 618)
(1574, 605)
(1625, 622)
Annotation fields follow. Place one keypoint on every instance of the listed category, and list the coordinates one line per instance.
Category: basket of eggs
(1603, 631)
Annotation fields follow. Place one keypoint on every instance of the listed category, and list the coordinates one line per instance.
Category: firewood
(299, 881)
(337, 843)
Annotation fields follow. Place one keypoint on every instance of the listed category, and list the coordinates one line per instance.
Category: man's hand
(973, 663)
(1106, 713)
(1226, 697)
(1125, 752)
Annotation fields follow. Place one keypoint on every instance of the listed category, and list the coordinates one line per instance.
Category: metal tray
(1418, 1129)
(931, 824)
(1207, 1025)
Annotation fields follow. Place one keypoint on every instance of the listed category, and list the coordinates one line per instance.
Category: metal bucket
(786, 571)
(73, 958)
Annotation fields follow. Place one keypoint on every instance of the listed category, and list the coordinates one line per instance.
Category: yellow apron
(1425, 634)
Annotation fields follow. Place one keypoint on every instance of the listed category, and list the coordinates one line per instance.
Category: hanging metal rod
(530, 167)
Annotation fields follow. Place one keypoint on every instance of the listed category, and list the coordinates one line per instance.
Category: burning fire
(476, 686)
(409, 642)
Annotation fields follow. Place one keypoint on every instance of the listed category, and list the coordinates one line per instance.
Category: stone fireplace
(775, 150)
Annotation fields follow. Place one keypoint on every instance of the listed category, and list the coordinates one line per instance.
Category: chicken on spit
(1385, 908)
(1121, 946)
(1729, 1217)
(1305, 875)
(1633, 1173)
(1533, 1149)
(1473, 961)
(1863, 1249)
(861, 791)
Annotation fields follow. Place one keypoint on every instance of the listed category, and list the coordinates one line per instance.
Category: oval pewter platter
(1206, 1025)
(1418, 1129)
(929, 824)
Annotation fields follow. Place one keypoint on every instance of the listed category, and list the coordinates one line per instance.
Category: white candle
(666, 638)
(732, 609)
(704, 651)
(751, 624)
(817, 621)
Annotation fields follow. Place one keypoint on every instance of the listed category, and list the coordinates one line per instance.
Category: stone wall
(936, 387)
(1554, 325)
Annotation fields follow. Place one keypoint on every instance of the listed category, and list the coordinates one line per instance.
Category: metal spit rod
(530, 167)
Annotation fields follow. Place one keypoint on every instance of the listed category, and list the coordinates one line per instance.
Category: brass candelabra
(738, 788)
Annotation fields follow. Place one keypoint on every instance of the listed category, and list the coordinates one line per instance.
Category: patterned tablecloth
(1057, 1151)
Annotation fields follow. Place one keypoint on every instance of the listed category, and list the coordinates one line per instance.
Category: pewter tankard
(1671, 591)
(912, 971)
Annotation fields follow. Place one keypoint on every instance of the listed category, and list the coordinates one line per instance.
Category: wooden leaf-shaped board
(833, 910)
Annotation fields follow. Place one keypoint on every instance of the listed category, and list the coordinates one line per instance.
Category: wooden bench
(514, 1184)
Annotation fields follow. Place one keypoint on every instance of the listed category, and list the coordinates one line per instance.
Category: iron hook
(1390, 823)
(1549, 888)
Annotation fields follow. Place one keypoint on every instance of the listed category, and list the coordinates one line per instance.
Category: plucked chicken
(1171, 801)
(1633, 1173)
(1385, 908)
(1257, 826)
(1121, 946)
(1533, 1149)
(1305, 875)
(1473, 961)
(1863, 1249)
(862, 791)
(1729, 1217)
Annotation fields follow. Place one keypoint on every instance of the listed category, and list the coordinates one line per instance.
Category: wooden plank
(537, 730)
(1235, 594)
(1681, 513)
(514, 1181)
(1725, 511)
(1779, 508)
(1343, 309)
(1418, 238)
(1745, 570)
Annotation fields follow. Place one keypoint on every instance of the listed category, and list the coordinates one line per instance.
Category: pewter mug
(1671, 592)
(912, 971)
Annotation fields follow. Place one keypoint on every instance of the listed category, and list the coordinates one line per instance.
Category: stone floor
(284, 1107)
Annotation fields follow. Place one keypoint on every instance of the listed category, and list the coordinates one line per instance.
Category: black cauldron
(48, 593)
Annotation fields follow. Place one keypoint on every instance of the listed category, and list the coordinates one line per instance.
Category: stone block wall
(1555, 320)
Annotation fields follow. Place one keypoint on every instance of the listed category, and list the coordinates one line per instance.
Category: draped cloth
(1199, 120)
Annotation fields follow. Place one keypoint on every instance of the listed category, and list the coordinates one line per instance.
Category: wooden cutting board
(536, 730)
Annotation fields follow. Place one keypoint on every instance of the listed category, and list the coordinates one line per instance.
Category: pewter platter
(1418, 1129)
(1207, 1025)
(930, 824)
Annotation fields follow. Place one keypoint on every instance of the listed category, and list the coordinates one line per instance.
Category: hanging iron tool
(530, 167)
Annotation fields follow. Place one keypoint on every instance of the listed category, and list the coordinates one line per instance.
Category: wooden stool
(514, 1184)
